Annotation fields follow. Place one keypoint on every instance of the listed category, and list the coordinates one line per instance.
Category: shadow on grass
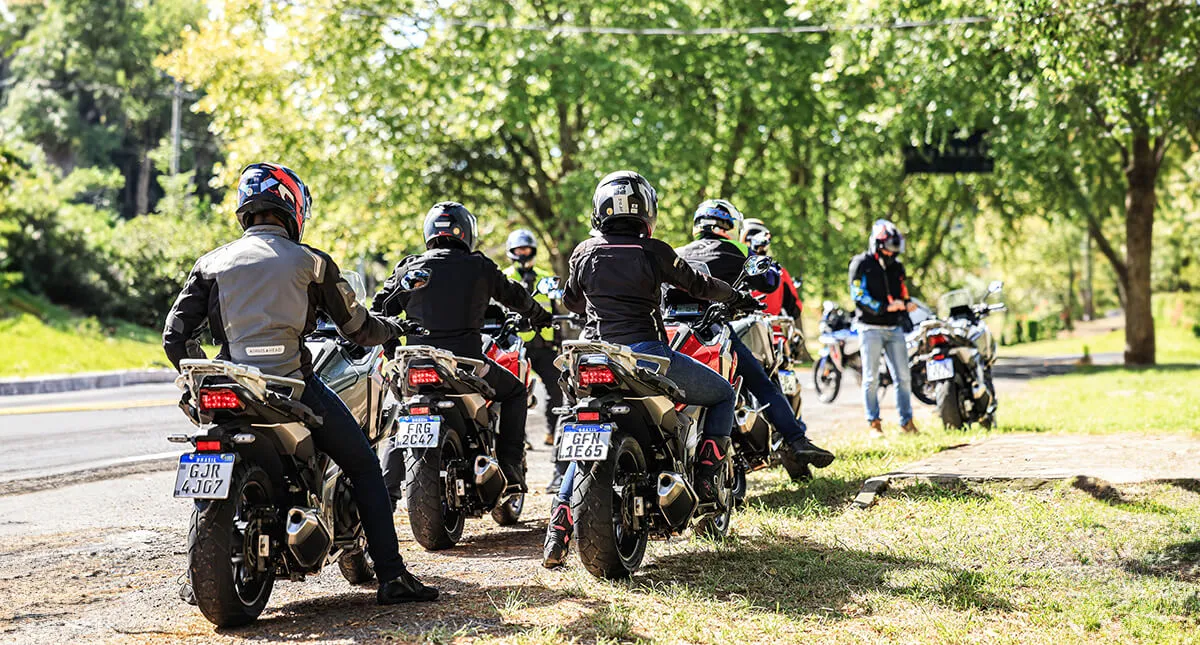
(1180, 561)
(800, 577)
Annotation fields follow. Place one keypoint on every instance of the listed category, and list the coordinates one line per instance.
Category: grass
(971, 563)
(43, 339)
(1174, 345)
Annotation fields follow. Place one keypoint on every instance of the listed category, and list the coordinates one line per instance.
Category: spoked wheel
(609, 547)
(436, 523)
(827, 378)
(231, 582)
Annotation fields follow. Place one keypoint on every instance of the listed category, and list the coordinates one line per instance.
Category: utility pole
(176, 117)
(1089, 300)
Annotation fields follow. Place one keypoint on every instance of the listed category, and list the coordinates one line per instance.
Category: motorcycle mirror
(414, 279)
(550, 286)
(995, 286)
(759, 265)
(357, 284)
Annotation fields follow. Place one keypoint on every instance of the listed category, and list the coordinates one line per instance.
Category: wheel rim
(248, 581)
(628, 542)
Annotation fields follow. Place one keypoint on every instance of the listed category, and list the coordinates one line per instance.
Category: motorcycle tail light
(219, 400)
(596, 375)
(419, 409)
(937, 339)
(208, 446)
(423, 376)
(588, 416)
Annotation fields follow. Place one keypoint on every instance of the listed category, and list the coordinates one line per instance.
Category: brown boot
(910, 427)
(877, 429)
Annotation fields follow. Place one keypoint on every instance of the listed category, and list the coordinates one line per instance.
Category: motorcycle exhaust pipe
(489, 480)
(676, 499)
(747, 417)
(307, 538)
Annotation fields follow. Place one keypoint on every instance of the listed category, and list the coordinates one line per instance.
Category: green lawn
(1175, 345)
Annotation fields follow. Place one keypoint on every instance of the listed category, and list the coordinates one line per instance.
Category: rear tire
(605, 548)
(827, 378)
(223, 553)
(949, 403)
(435, 524)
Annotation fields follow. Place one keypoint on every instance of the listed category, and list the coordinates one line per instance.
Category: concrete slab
(1031, 458)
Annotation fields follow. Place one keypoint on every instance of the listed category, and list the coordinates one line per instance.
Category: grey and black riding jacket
(260, 296)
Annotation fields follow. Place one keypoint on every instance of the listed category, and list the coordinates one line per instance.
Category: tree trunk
(1139, 233)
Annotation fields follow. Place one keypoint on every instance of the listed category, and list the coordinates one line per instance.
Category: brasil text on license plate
(939, 370)
(204, 476)
(585, 442)
(417, 432)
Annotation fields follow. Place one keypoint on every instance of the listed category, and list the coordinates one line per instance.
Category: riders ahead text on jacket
(615, 280)
(453, 303)
(875, 282)
(260, 295)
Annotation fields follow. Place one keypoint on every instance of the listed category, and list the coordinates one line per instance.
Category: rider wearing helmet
(271, 289)
(540, 347)
(615, 280)
(785, 299)
(879, 287)
(452, 306)
(717, 225)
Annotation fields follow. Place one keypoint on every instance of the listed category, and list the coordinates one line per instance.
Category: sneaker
(710, 459)
(404, 588)
(812, 453)
(910, 427)
(558, 537)
(877, 429)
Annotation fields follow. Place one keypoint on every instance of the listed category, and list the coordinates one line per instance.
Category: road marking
(87, 407)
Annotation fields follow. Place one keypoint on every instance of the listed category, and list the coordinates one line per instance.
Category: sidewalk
(56, 383)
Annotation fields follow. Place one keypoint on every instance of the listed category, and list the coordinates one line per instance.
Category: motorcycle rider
(452, 305)
(879, 287)
(785, 299)
(615, 280)
(261, 295)
(541, 347)
(716, 226)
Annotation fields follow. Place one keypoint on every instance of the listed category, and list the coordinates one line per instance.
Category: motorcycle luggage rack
(192, 370)
(407, 353)
(628, 358)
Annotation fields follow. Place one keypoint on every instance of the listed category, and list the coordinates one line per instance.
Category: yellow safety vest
(513, 274)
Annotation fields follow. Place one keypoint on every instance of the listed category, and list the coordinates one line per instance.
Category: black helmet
(624, 195)
(517, 239)
(272, 188)
(885, 236)
(450, 221)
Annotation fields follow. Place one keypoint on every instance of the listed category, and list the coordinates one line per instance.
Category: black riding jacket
(873, 284)
(260, 296)
(453, 303)
(614, 280)
(724, 258)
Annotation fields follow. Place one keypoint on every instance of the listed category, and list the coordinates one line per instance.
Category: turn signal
(423, 376)
(219, 400)
(595, 375)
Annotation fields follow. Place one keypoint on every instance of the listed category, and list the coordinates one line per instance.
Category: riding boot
(558, 536)
(512, 464)
(710, 462)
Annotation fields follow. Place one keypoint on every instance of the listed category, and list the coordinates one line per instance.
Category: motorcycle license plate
(939, 370)
(204, 476)
(788, 382)
(584, 442)
(417, 432)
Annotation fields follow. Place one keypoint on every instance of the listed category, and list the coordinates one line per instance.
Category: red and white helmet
(269, 187)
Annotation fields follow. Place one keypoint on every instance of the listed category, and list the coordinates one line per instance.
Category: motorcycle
(956, 355)
(636, 450)
(449, 431)
(267, 503)
(841, 351)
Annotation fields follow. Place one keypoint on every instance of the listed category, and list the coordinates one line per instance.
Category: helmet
(450, 221)
(756, 236)
(517, 239)
(272, 188)
(718, 216)
(885, 236)
(624, 195)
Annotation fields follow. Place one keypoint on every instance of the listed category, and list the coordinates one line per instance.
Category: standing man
(880, 291)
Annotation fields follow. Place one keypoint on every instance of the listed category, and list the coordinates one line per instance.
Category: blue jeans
(701, 385)
(890, 343)
(341, 438)
(779, 412)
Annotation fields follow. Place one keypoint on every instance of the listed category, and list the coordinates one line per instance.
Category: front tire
(435, 523)
(608, 548)
(925, 391)
(827, 378)
(356, 568)
(223, 560)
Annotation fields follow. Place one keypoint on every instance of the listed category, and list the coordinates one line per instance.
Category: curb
(88, 381)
